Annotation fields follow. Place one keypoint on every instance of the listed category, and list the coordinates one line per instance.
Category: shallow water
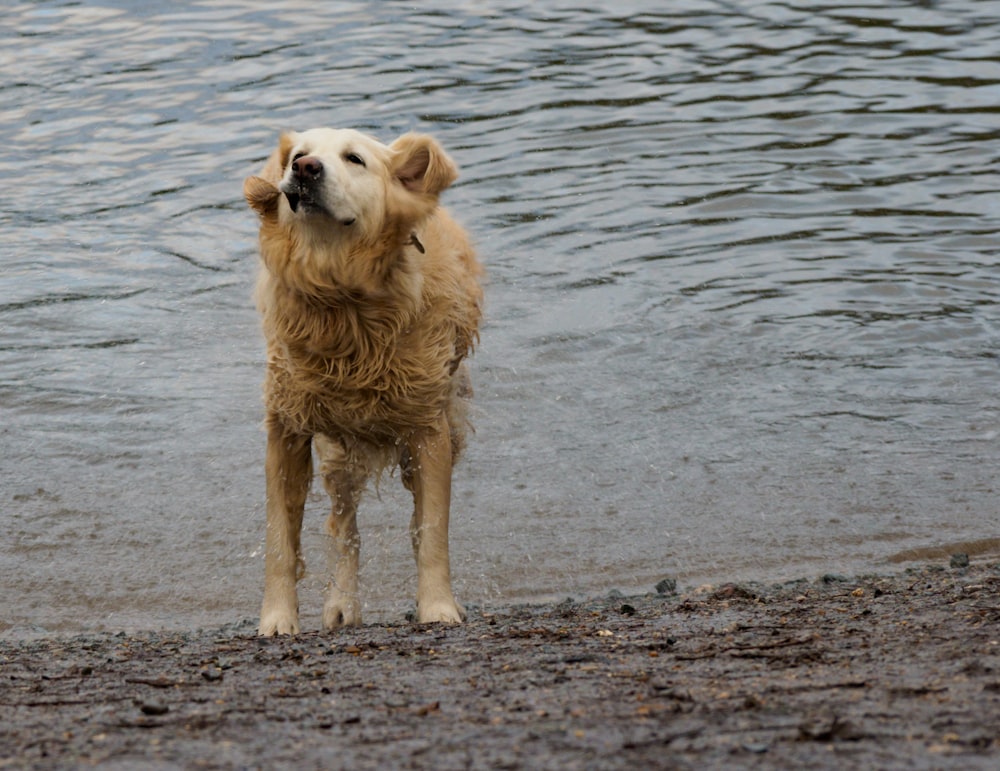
(742, 306)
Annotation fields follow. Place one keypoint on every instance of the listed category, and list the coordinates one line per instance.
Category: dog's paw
(278, 622)
(441, 611)
(340, 611)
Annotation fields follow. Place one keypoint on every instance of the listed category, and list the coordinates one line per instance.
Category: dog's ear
(261, 195)
(262, 192)
(421, 165)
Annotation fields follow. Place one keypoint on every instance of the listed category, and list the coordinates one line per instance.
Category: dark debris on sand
(897, 671)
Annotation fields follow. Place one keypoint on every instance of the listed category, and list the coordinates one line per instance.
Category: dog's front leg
(431, 460)
(289, 473)
(344, 481)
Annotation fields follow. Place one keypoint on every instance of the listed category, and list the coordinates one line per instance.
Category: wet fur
(367, 325)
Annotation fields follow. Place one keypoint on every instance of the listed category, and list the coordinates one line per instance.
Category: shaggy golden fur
(371, 300)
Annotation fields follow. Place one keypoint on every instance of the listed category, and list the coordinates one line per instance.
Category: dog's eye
(354, 158)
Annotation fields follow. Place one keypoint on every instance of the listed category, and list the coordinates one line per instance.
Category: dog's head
(344, 184)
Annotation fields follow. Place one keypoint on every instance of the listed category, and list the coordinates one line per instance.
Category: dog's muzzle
(304, 187)
(301, 185)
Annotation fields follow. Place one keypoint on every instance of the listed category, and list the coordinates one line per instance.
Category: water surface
(742, 303)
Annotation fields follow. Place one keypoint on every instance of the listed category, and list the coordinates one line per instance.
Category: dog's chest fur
(368, 368)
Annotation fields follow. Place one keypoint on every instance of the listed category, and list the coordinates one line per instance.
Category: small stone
(427, 709)
(153, 708)
(959, 560)
(829, 727)
(734, 592)
(666, 586)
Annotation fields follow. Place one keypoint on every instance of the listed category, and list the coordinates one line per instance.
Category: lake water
(743, 292)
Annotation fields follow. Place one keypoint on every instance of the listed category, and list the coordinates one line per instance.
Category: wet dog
(371, 302)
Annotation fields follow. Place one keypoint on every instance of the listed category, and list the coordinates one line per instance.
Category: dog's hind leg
(289, 474)
(344, 481)
(429, 478)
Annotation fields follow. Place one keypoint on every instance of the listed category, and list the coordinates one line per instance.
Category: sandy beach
(894, 671)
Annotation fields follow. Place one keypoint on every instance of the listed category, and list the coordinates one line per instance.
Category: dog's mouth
(300, 199)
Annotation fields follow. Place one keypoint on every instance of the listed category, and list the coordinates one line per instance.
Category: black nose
(307, 167)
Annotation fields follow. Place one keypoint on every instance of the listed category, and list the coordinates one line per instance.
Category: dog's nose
(307, 167)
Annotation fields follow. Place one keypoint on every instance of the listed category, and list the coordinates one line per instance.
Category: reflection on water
(742, 303)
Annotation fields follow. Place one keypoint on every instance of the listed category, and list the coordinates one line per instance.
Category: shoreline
(889, 671)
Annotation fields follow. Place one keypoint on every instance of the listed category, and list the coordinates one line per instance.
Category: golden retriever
(371, 301)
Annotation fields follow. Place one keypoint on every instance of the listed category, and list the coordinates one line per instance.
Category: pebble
(666, 586)
(828, 727)
(734, 592)
(959, 560)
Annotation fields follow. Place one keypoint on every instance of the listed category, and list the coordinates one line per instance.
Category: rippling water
(743, 315)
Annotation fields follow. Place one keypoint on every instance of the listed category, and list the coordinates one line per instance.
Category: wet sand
(899, 671)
